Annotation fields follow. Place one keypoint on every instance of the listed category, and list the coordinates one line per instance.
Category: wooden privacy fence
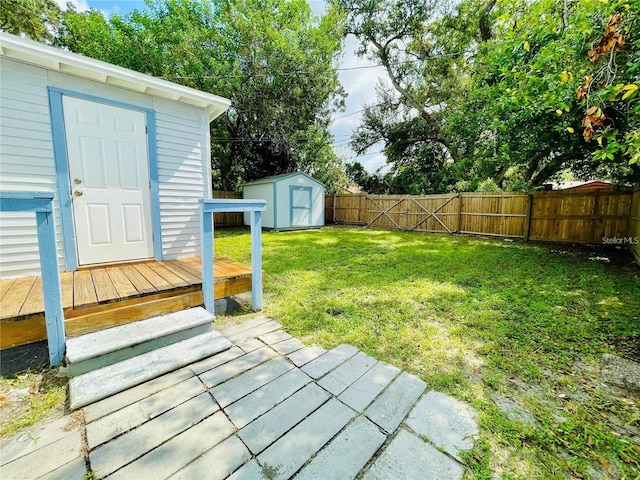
(634, 226)
(577, 216)
(227, 219)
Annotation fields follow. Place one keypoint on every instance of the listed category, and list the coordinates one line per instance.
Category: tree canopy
(511, 92)
(37, 19)
(477, 94)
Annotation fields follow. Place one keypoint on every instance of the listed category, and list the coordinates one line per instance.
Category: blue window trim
(292, 188)
(60, 155)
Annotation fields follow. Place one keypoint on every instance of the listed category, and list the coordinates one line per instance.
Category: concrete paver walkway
(268, 408)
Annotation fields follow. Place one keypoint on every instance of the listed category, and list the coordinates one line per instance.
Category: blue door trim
(292, 188)
(60, 155)
(275, 206)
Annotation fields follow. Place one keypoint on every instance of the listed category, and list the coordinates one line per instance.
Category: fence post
(459, 212)
(527, 219)
(333, 210)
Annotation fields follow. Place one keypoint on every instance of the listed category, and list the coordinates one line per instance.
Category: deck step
(104, 382)
(106, 347)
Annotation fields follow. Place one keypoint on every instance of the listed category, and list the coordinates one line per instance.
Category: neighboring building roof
(583, 185)
(277, 178)
(51, 58)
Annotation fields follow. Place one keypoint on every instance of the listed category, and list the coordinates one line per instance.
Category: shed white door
(109, 175)
(300, 206)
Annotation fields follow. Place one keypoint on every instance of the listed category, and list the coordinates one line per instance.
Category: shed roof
(277, 178)
(51, 58)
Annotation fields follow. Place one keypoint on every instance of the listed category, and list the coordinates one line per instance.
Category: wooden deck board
(84, 292)
(193, 269)
(16, 296)
(175, 280)
(105, 295)
(121, 283)
(105, 291)
(66, 283)
(137, 279)
(5, 285)
(177, 267)
(34, 300)
(153, 278)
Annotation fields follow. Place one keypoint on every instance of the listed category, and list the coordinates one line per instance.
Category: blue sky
(359, 83)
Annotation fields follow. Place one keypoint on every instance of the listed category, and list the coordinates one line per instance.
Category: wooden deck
(100, 297)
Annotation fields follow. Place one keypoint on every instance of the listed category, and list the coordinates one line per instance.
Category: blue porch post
(256, 260)
(42, 204)
(207, 259)
(210, 206)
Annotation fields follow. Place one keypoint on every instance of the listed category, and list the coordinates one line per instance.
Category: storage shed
(127, 156)
(294, 201)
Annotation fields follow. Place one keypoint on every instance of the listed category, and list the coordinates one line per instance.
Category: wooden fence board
(227, 219)
(329, 206)
(634, 225)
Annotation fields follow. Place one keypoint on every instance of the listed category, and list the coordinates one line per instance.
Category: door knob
(78, 193)
(77, 181)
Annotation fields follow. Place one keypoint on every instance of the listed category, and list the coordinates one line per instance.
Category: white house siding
(182, 148)
(263, 191)
(26, 163)
(184, 166)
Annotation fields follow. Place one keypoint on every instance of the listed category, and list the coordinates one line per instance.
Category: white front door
(109, 175)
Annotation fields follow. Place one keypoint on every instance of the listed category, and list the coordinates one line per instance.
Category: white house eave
(56, 59)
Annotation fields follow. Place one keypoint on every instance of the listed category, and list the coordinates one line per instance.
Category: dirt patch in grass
(30, 397)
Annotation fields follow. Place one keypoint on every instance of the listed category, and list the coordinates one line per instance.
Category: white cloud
(375, 163)
(81, 5)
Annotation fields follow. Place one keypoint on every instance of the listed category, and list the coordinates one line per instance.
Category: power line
(307, 72)
(364, 155)
(348, 114)
(273, 74)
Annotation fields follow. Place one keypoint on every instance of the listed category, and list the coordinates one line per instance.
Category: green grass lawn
(489, 322)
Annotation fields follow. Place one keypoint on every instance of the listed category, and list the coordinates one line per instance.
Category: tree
(520, 123)
(397, 34)
(486, 90)
(36, 19)
(611, 93)
(426, 48)
(272, 58)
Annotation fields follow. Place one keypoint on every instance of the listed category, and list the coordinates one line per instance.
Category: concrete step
(106, 347)
(104, 382)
